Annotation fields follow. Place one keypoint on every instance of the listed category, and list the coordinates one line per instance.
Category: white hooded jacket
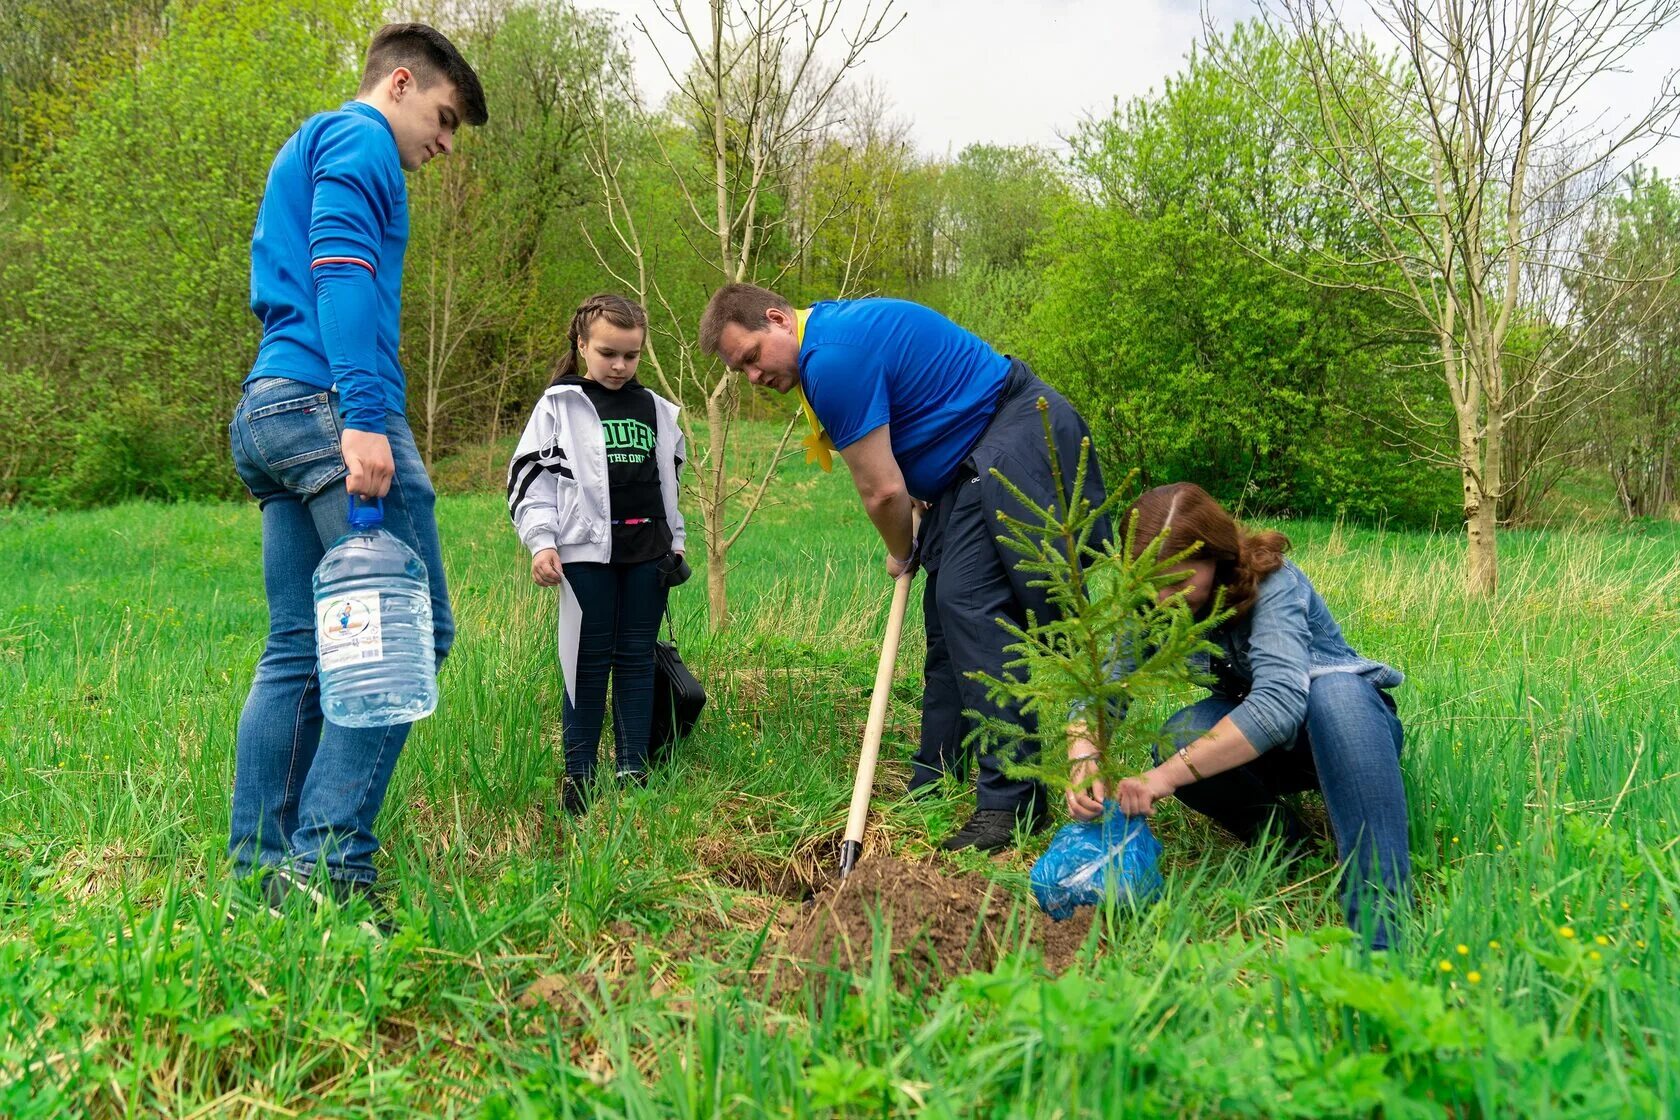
(558, 493)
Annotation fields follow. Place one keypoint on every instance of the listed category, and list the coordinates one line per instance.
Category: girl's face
(611, 353)
(1194, 581)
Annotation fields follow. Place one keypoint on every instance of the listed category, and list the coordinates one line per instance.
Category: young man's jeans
(622, 604)
(304, 790)
(1348, 747)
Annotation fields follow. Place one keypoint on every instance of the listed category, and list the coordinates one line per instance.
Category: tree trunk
(1479, 523)
(1481, 510)
(712, 505)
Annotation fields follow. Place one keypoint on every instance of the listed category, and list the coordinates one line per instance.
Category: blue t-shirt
(327, 260)
(868, 362)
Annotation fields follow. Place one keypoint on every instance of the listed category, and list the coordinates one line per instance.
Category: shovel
(851, 846)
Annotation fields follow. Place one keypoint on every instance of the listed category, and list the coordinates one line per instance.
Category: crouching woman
(1293, 708)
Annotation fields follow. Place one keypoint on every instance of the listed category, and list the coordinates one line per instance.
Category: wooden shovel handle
(851, 845)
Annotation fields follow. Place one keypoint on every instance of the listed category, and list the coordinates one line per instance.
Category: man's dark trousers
(972, 582)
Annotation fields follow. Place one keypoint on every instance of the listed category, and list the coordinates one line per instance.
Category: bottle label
(347, 631)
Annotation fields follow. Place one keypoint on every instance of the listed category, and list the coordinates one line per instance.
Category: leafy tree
(1195, 355)
(999, 203)
(132, 276)
(1487, 93)
(53, 54)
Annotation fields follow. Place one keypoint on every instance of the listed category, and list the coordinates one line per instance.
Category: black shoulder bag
(678, 698)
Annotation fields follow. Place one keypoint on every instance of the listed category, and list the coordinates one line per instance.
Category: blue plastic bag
(1087, 859)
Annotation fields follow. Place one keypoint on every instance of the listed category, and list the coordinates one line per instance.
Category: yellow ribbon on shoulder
(819, 449)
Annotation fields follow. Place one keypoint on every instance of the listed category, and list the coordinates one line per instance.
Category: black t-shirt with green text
(628, 426)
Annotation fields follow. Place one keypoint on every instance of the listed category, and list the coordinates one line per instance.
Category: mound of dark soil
(939, 924)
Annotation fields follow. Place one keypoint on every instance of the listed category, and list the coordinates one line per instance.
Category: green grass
(1540, 764)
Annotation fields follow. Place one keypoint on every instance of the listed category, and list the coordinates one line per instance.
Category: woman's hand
(545, 568)
(1137, 796)
(1084, 803)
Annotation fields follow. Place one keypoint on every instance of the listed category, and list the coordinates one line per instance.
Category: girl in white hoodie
(592, 490)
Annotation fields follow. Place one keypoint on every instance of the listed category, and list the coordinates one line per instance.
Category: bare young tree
(479, 329)
(759, 83)
(1556, 365)
(1451, 157)
(838, 189)
(1635, 426)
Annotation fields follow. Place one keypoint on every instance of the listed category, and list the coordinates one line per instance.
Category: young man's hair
(425, 53)
(744, 305)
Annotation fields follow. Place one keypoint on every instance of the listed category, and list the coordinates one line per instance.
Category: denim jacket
(1272, 654)
(1275, 650)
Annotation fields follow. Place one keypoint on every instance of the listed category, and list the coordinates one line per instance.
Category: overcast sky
(1024, 72)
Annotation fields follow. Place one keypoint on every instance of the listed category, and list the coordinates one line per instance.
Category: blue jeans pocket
(297, 438)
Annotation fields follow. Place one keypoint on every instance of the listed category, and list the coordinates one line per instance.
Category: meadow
(635, 964)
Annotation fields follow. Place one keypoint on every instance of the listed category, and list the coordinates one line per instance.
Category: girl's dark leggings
(622, 605)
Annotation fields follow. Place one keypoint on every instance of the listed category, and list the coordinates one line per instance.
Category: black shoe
(990, 829)
(633, 779)
(285, 889)
(574, 795)
(262, 893)
(351, 893)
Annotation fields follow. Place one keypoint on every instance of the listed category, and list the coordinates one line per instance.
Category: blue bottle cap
(365, 514)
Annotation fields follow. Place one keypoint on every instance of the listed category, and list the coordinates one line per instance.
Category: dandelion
(1446, 966)
(1625, 906)
(1455, 839)
(1499, 847)
(1464, 950)
(1594, 955)
(1641, 944)
(1473, 976)
(1494, 945)
(1601, 940)
(1566, 932)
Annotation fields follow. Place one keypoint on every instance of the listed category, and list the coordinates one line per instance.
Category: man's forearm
(890, 514)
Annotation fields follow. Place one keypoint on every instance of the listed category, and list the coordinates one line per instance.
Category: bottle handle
(366, 513)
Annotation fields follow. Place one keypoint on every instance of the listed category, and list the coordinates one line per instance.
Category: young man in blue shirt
(922, 411)
(322, 418)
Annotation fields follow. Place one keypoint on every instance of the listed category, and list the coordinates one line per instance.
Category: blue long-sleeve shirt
(326, 263)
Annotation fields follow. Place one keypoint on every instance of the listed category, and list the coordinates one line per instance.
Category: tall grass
(1535, 978)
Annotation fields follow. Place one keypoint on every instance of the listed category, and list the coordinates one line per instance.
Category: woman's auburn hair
(1191, 518)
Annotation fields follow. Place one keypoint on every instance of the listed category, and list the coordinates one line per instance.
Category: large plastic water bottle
(373, 626)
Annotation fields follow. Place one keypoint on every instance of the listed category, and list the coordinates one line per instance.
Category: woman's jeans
(622, 605)
(305, 790)
(1348, 747)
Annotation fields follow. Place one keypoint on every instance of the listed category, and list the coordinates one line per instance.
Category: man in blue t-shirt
(922, 411)
(322, 418)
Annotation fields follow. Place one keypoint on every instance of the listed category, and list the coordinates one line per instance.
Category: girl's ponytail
(568, 363)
